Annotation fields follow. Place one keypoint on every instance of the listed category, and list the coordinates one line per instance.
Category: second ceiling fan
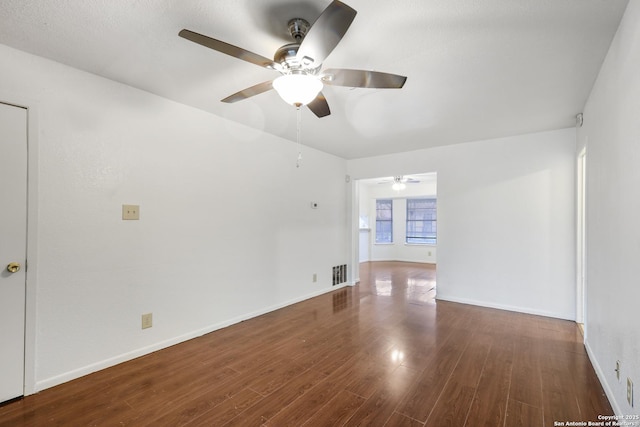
(300, 62)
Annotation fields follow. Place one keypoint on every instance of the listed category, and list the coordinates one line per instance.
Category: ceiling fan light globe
(297, 89)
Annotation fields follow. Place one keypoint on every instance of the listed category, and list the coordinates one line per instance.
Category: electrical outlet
(147, 320)
(630, 392)
(315, 277)
(130, 212)
(618, 370)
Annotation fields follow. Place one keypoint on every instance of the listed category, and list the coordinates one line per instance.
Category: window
(421, 221)
(384, 221)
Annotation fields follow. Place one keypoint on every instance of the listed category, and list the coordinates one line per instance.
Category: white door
(13, 248)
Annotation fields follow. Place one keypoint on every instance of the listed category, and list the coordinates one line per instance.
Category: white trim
(581, 247)
(94, 367)
(353, 228)
(507, 308)
(603, 380)
(32, 249)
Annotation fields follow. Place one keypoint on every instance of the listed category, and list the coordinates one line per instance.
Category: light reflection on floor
(383, 287)
(415, 285)
(419, 289)
(397, 356)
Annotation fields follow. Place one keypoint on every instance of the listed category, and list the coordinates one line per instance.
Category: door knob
(13, 267)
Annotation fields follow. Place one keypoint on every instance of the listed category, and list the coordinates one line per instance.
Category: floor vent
(339, 274)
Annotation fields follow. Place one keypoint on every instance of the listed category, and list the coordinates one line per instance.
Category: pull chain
(298, 120)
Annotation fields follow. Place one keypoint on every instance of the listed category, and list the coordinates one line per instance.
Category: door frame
(581, 233)
(31, 271)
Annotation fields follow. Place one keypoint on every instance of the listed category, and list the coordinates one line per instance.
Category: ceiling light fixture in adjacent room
(399, 183)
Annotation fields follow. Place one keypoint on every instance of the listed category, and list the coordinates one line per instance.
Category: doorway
(409, 218)
(13, 248)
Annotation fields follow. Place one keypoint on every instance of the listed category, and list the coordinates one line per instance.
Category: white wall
(398, 250)
(226, 229)
(506, 219)
(611, 133)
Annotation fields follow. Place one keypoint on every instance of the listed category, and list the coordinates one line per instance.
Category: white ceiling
(476, 68)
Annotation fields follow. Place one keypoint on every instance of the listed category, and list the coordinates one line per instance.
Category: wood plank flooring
(383, 353)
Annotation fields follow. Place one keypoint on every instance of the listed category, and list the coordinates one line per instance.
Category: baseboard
(107, 363)
(517, 309)
(603, 380)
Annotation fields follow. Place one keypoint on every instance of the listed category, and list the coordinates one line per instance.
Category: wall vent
(339, 274)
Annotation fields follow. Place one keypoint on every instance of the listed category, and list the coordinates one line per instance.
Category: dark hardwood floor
(383, 353)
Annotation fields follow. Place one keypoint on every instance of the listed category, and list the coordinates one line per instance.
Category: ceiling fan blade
(249, 92)
(319, 106)
(362, 78)
(325, 34)
(229, 49)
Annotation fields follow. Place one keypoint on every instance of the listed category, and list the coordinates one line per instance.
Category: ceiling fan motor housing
(298, 28)
(287, 56)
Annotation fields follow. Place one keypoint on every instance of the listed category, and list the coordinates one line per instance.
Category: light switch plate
(130, 212)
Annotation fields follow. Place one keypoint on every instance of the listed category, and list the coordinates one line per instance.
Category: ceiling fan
(399, 182)
(300, 62)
